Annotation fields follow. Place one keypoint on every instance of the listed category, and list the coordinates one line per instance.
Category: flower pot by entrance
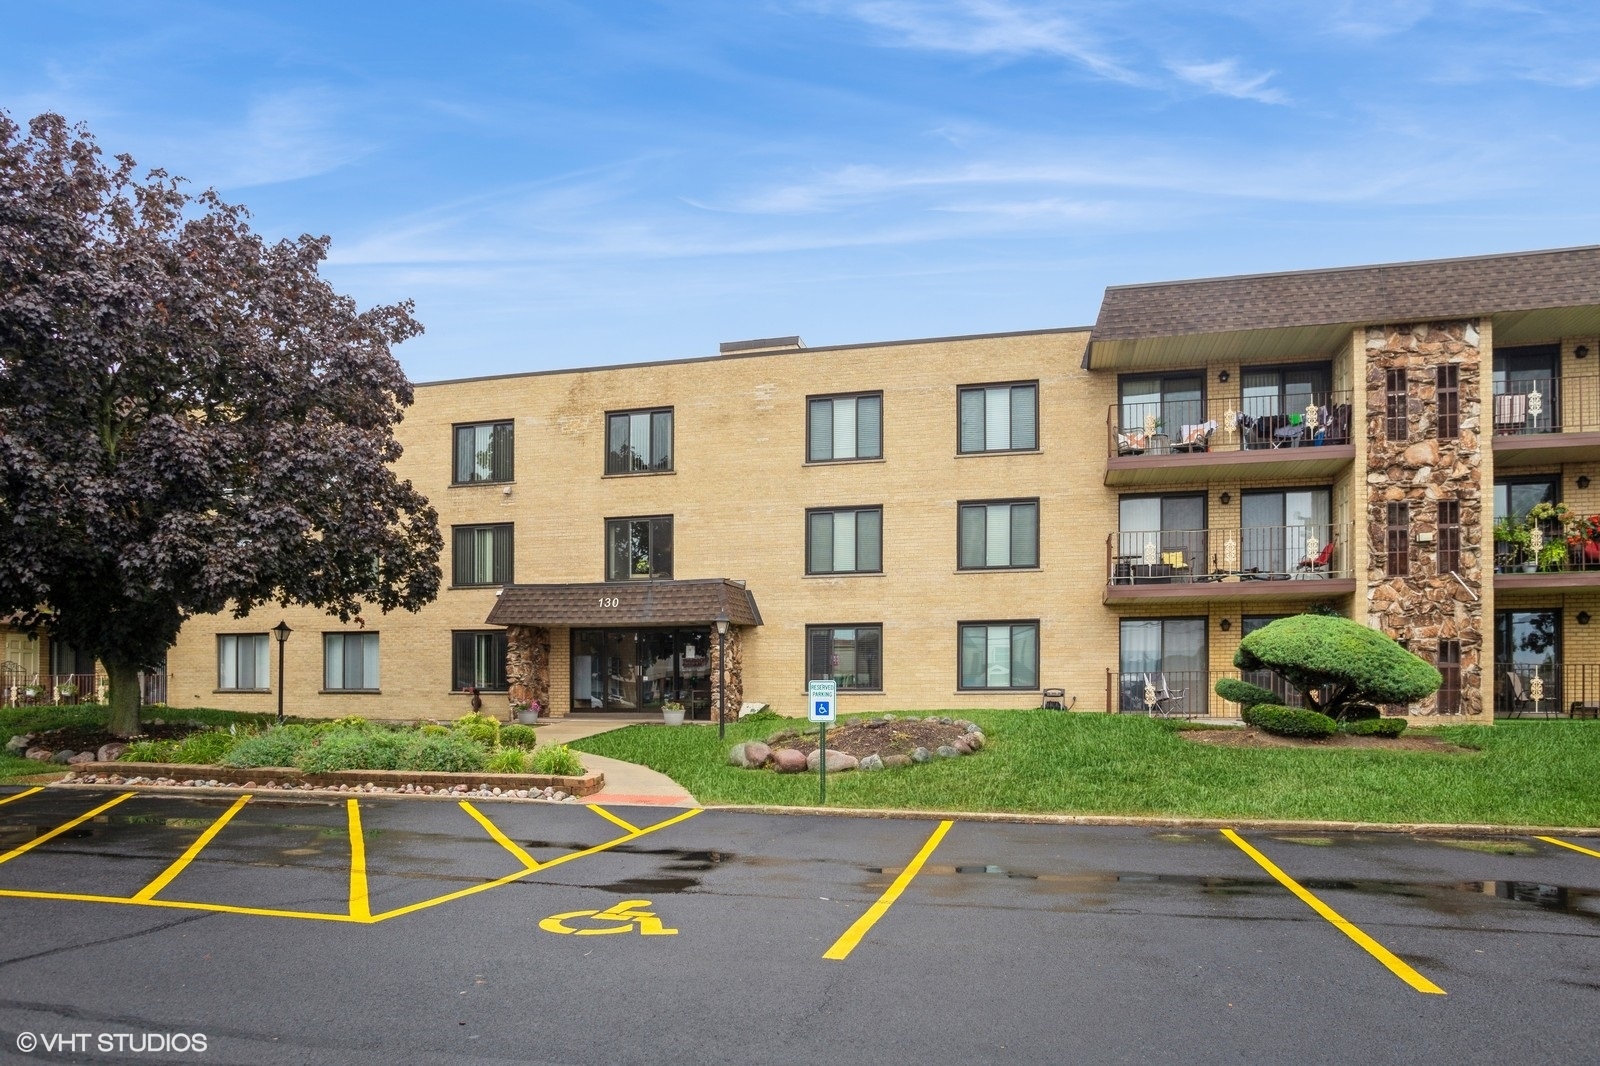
(672, 713)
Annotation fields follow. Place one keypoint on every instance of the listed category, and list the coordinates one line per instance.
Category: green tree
(191, 419)
(1336, 664)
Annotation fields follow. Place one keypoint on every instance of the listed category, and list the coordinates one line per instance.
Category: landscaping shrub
(204, 748)
(452, 754)
(1311, 652)
(474, 726)
(556, 759)
(507, 761)
(519, 736)
(433, 729)
(1243, 692)
(278, 746)
(1360, 712)
(766, 714)
(1288, 721)
(151, 751)
(352, 749)
(1377, 727)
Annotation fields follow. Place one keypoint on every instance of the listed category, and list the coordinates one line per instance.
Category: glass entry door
(638, 670)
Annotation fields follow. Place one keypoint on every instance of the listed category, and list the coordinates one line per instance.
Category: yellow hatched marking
(1369, 945)
(1564, 844)
(360, 909)
(58, 830)
(500, 838)
(608, 816)
(20, 795)
(149, 891)
(847, 943)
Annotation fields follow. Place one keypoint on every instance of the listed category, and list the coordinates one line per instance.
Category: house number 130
(608, 601)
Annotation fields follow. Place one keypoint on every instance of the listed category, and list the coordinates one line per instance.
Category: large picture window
(478, 660)
(1281, 527)
(1171, 656)
(639, 442)
(844, 427)
(1162, 404)
(483, 453)
(844, 542)
(350, 662)
(999, 418)
(482, 555)
(998, 535)
(638, 549)
(242, 662)
(852, 656)
(999, 655)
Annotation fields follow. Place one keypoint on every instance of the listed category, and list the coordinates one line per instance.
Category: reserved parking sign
(824, 706)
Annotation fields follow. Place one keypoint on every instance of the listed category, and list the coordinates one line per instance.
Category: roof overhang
(631, 604)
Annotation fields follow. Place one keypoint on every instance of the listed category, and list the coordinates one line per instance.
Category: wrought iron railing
(19, 689)
(1547, 690)
(1576, 555)
(1316, 551)
(1546, 405)
(1188, 427)
(1187, 693)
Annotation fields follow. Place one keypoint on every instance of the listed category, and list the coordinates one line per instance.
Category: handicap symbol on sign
(627, 916)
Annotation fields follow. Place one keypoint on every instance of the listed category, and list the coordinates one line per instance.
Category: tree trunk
(123, 699)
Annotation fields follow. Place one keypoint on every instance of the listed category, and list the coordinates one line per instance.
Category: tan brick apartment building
(970, 521)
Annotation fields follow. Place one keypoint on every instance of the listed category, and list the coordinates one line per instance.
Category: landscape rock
(896, 760)
(962, 745)
(110, 752)
(749, 755)
(788, 761)
(38, 754)
(838, 761)
(870, 763)
(81, 757)
(921, 755)
(945, 751)
(63, 756)
(975, 740)
(20, 742)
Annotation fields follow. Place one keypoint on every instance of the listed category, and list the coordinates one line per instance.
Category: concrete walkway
(626, 782)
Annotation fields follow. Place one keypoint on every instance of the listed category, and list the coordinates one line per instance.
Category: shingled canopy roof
(1313, 310)
(639, 603)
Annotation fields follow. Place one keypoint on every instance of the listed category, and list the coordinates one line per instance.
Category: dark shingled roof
(639, 603)
(1394, 292)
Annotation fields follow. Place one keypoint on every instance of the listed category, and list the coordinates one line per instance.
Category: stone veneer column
(528, 664)
(735, 674)
(1425, 606)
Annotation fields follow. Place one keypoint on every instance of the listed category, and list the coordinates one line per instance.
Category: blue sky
(572, 184)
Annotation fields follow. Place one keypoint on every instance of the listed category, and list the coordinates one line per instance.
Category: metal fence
(1228, 424)
(1563, 690)
(1187, 693)
(19, 689)
(1314, 551)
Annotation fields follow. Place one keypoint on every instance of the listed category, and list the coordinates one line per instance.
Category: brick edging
(586, 785)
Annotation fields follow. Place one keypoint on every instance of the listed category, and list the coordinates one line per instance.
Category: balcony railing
(1251, 553)
(1578, 558)
(1563, 690)
(1187, 693)
(1546, 405)
(20, 689)
(1228, 424)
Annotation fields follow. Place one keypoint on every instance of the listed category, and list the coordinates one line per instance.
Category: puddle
(1489, 847)
(1312, 842)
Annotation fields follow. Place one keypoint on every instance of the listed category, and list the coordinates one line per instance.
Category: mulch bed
(1251, 737)
(84, 738)
(886, 738)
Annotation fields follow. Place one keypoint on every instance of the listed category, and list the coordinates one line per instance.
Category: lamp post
(280, 632)
(722, 673)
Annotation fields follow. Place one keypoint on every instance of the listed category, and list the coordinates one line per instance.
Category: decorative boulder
(975, 739)
(110, 752)
(81, 757)
(788, 761)
(896, 760)
(961, 745)
(870, 763)
(838, 761)
(750, 755)
(20, 742)
(63, 756)
(945, 751)
(921, 755)
(39, 754)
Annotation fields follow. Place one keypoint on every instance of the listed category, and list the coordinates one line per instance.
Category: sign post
(823, 710)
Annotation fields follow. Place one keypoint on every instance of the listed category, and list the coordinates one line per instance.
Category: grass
(14, 720)
(1531, 773)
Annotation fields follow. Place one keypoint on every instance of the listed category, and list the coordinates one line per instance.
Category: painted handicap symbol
(626, 913)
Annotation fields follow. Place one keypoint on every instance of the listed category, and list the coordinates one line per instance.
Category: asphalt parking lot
(384, 931)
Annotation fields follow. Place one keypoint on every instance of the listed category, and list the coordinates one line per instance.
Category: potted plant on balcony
(1511, 540)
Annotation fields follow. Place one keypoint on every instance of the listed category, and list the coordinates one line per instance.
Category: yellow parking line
(360, 908)
(174, 904)
(504, 841)
(58, 830)
(847, 943)
(608, 816)
(1564, 844)
(149, 891)
(1371, 946)
(20, 795)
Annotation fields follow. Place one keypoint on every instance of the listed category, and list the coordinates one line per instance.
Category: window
(65, 659)
(998, 535)
(483, 453)
(1449, 663)
(1447, 398)
(638, 548)
(1449, 546)
(1515, 497)
(1397, 541)
(999, 655)
(1281, 528)
(350, 662)
(844, 542)
(844, 427)
(852, 656)
(482, 555)
(242, 662)
(999, 418)
(1527, 389)
(1266, 392)
(1161, 404)
(1394, 398)
(1160, 538)
(1172, 656)
(478, 660)
(639, 442)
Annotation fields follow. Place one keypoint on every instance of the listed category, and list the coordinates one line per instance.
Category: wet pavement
(385, 931)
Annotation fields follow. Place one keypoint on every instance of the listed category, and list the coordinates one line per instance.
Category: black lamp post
(722, 673)
(281, 632)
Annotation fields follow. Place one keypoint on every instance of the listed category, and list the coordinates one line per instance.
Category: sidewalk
(626, 782)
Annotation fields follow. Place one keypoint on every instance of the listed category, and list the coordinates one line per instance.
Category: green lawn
(14, 720)
(1541, 773)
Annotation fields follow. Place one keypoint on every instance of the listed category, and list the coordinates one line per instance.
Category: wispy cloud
(1224, 78)
(282, 136)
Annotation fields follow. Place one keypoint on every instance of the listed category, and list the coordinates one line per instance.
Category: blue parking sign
(822, 696)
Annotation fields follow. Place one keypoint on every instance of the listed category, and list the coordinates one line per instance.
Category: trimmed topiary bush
(507, 761)
(447, 754)
(1243, 692)
(555, 759)
(1336, 663)
(1376, 727)
(519, 736)
(1288, 721)
(278, 746)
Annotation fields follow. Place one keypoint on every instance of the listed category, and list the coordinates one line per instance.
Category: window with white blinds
(844, 541)
(242, 662)
(999, 418)
(844, 427)
(482, 555)
(350, 662)
(998, 534)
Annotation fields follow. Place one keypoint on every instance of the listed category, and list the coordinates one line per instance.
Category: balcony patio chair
(1166, 698)
(1195, 438)
(1516, 700)
(1318, 566)
(1130, 443)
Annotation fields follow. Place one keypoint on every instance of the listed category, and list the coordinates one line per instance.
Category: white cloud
(1224, 78)
(284, 136)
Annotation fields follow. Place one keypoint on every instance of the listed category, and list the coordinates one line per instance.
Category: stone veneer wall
(1425, 607)
(735, 676)
(528, 664)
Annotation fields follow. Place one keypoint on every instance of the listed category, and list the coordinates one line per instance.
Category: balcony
(1577, 567)
(1563, 690)
(1546, 420)
(1186, 693)
(1301, 563)
(1189, 441)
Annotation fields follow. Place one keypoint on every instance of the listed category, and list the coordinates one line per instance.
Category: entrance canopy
(625, 604)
